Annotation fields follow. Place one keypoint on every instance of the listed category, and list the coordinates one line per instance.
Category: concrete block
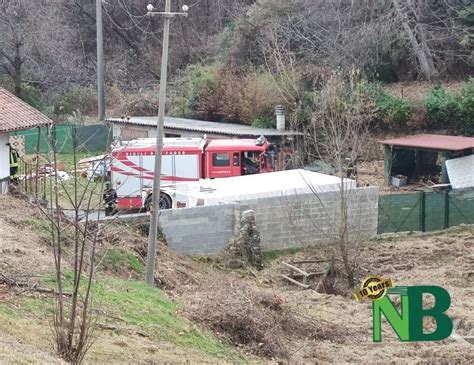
(282, 221)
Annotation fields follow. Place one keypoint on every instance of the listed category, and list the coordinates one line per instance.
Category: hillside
(230, 60)
(253, 316)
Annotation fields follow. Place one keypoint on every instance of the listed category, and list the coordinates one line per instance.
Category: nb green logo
(408, 323)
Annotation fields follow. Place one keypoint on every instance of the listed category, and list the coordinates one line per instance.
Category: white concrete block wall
(308, 220)
(201, 230)
(283, 222)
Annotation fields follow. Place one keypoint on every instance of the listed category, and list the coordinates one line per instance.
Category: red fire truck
(184, 159)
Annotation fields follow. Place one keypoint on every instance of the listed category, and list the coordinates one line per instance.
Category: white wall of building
(127, 133)
(4, 162)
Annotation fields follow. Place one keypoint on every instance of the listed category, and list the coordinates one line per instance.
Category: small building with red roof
(423, 154)
(15, 115)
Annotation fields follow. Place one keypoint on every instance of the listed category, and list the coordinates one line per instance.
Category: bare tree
(37, 45)
(398, 39)
(412, 28)
(337, 135)
(13, 40)
(73, 320)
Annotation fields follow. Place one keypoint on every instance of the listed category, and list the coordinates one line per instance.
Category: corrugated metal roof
(15, 114)
(433, 142)
(201, 126)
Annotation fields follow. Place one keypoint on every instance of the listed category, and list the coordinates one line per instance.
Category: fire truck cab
(236, 157)
(184, 159)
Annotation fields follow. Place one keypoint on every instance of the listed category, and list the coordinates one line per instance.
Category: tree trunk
(17, 63)
(344, 234)
(422, 52)
(425, 48)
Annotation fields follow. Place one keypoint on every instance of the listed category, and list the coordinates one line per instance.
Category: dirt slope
(21, 246)
(25, 317)
(337, 329)
(446, 260)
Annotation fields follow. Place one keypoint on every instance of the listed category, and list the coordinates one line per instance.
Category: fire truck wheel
(165, 202)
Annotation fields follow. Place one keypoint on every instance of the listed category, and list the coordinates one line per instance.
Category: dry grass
(252, 318)
(445, 259)
(268, 318)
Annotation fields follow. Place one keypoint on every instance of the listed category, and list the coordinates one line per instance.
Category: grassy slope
(145, 326)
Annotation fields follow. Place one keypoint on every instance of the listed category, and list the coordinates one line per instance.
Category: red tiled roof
(15, 114)
(433, 142)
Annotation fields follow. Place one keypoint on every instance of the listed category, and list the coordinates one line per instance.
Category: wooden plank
(309, 262)
(311, 274)
(440, 186)
(297, 269)
(295, 282)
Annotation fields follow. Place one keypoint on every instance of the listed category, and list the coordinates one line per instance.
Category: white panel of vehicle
(126, 185)
(187, 166)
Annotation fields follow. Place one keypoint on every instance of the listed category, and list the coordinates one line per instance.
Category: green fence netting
(425, 211)
(88, 138)
(461, 207)
(399, 213)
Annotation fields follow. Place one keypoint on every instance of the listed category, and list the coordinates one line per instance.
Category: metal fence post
(423, 211)
(446, 209)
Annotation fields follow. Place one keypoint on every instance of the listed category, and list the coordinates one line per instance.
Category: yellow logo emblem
(373, 287)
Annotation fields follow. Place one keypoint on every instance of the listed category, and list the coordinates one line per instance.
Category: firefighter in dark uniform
(110, 199)
(14, 158)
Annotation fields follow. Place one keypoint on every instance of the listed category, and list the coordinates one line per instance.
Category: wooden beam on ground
(297, 269)
(10, 282)
(309, 261)
(295, 282)
(310, 275)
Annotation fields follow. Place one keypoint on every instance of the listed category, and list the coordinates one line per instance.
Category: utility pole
(100, 61)
(151, 252)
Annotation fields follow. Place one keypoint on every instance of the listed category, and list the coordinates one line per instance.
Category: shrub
(466, 103)
(192, 88)
(442, 107)
(264, 122)
(201, 79)
(78, 100)
(218, 93)
(125, 103)
(467, 15)
(260, 95)
(396, 111)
